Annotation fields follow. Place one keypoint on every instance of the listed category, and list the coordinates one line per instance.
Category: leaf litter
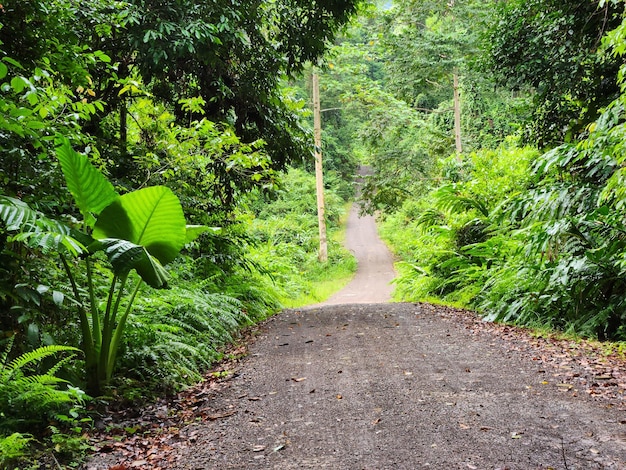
(571, 366)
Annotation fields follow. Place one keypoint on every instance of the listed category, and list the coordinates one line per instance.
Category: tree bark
(319, 175)
(457, 117)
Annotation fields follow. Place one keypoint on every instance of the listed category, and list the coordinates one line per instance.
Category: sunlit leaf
(150, 217)
(91, 190)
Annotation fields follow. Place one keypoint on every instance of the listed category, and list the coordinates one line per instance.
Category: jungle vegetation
(157, 194)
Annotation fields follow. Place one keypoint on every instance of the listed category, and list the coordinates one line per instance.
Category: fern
(32, 357)
(13, 446)
(176, 336)
(450, 199)
(28, 397)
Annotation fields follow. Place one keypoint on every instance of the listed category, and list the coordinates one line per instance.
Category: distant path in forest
(372, 281)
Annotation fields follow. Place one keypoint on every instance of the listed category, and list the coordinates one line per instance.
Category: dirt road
(390, 386)
(396, 386)
(371, 283)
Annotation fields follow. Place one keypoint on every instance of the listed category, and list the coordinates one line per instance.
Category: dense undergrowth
(173, 336)
(287, 242)
(519, 213)
(523, 237)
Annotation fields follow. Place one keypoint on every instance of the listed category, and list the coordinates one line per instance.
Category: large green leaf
(125, 255)
(150, 217)
(91, 190)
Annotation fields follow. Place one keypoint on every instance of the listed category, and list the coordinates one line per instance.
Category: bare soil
(389, 386)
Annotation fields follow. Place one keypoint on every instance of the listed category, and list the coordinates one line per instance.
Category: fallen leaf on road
(221, 415)
(258, 448)
(300, 379)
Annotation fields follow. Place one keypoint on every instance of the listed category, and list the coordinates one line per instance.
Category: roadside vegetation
(522, 225)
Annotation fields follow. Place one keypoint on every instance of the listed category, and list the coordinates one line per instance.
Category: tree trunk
(319, 176)
(457, 117)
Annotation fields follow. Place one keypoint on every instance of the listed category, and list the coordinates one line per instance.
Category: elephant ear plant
(142, 231)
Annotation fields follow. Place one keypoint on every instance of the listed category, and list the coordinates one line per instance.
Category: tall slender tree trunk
(457, 116)
(319, 174)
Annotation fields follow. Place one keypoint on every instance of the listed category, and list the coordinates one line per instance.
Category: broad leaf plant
(139, 231)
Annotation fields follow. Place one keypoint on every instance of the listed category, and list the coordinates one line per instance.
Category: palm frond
(38, 231)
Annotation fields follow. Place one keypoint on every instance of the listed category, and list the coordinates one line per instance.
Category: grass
(320, 290)
(324, 280)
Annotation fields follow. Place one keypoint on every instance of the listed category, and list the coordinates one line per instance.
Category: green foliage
(36, 105)
(551, 47)
(286, 242)
(14, 447)
(174, 336)
(206, 163)
(434, 38)
(540, 245)
(36, 230)
(140, 230)
(232, 55)
(31, 395)
(448, 239)
(394, 133)
(399, 121)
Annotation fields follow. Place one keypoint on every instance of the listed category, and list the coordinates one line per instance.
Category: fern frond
(5, 354)
(37, 355)
(449, 199)
(43, 379)
(60, 364)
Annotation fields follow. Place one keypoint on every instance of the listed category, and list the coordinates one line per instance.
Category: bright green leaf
(125, 256)
(194, 231)
(150, 217)
(91, 190)
(18, 84)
